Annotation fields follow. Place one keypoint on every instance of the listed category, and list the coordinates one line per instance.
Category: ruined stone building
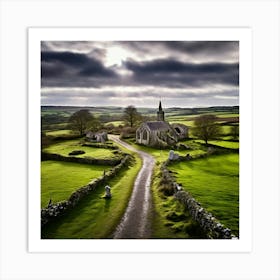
(160, 133)
(100, 137)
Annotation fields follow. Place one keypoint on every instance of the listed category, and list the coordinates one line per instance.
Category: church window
(145, 135)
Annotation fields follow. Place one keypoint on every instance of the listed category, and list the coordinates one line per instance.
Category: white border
(263, 17)
(243, 35)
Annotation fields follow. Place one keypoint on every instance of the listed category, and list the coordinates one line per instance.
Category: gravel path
(135, 222)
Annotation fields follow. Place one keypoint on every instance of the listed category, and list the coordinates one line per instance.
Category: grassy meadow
(60, 132)
(214, 182)
(222, 143)
(59, 179)
(65, 147)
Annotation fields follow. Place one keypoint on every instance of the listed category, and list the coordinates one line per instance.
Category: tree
(206, 127)
(94, 124)
(131, 116)
(80, 121)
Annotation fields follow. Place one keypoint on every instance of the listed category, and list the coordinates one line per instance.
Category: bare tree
(206, 127)
(80, 121)
(131, 116)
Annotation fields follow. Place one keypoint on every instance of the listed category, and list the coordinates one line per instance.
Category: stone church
(160, 133)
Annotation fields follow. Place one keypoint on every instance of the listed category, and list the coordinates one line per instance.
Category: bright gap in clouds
(115, 55)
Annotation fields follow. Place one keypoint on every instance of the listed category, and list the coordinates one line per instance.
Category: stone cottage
(160, 133)
(101, 137)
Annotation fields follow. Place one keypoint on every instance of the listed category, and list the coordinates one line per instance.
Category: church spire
(160, 113)
(159, 107)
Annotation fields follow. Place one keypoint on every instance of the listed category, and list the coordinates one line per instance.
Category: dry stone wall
(100, 145)
(86, 160)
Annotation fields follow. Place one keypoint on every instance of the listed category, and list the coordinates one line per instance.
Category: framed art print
(139, 139)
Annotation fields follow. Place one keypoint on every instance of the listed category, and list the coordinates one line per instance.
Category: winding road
(135, 222)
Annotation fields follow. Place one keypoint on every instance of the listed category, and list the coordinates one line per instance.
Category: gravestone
(108, 192)
(172, 155)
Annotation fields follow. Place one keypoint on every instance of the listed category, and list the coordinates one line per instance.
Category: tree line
(83, 120)
(206, 127)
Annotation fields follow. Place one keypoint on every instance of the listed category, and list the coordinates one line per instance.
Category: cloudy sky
(140, 73)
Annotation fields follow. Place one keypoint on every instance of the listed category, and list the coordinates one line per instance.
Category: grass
(115, 123)
(226, 129)
(214, 182)
(229, 115)
(225, 144)
(182, 121)
(191, 117)
(59, 132)
(95, 217)
(189, 121)
(60, 179)
(65, 147)
(170, 219)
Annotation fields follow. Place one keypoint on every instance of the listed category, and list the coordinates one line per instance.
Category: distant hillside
(53, 117)
(112, 110)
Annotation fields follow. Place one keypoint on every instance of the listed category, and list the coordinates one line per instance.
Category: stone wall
(100, 145)
(55, 210)
(210, 225)
(86, 160)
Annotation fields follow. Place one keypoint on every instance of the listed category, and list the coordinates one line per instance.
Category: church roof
(158, 125)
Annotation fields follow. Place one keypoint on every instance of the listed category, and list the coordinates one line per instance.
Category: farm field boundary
(89, 160)
(214, 229)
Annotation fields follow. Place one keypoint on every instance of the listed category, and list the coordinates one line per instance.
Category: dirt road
(135, 222)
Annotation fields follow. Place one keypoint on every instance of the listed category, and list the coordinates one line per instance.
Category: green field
(115, 123)
(189, 122)
(214, 182)
(59, 179)
(228, 115)
(65, 147)
(95, 217)
(59, 132)
(221, 143)
(182, 121)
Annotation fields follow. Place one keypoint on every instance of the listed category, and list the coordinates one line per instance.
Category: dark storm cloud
(212, 50)
(175, 73)
(74, 46)
(69, 58)
(184, 73)
(206, 47)
(62, 68)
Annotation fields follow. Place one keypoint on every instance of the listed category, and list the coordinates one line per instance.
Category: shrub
(176, 217)
(167, 189)
(76, 152)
